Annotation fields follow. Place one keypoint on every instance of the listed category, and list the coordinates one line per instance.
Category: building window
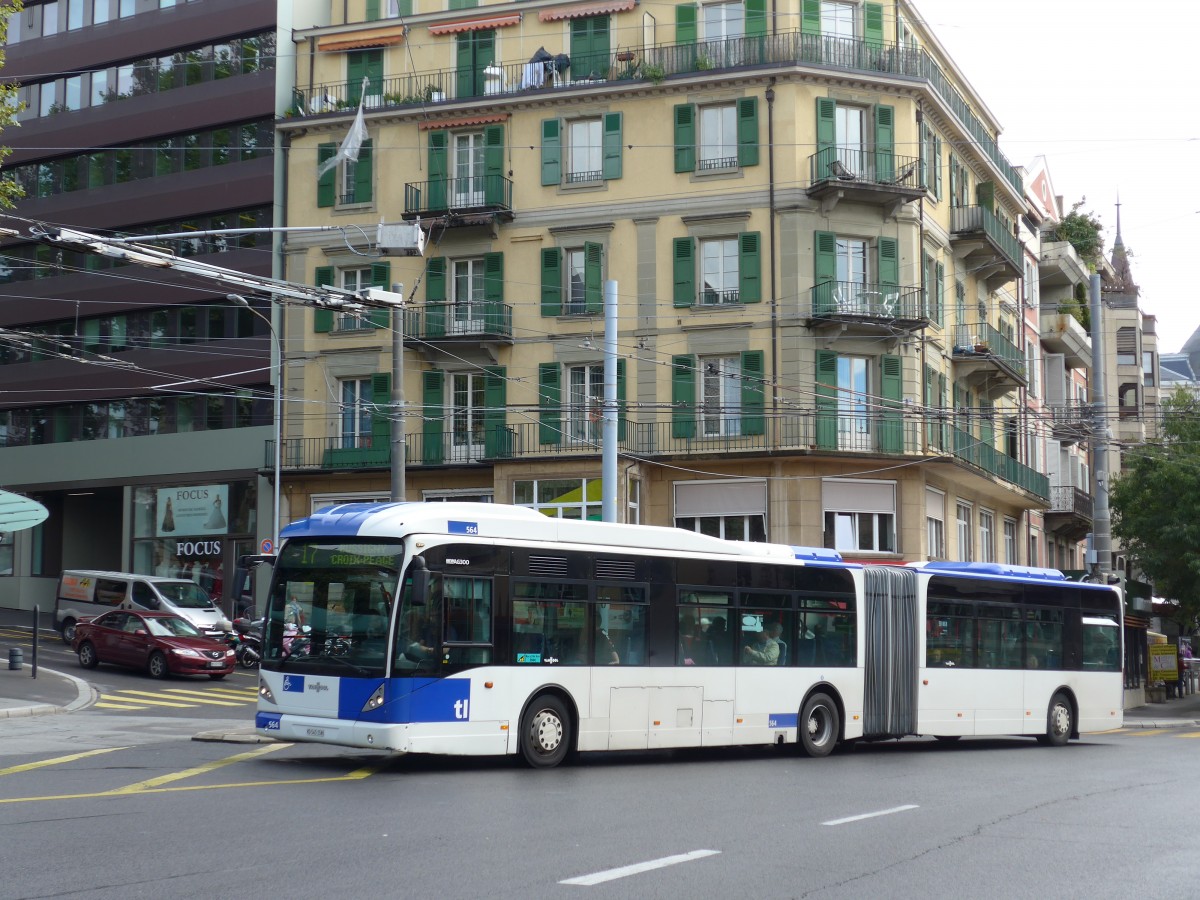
(585, 385)
(468, 409)
(987, 531)
(354, 280)
(1147, 368)
(734, 509)
(719, 272)
(721, 396)
(718, 137)
(1127, 346)
(467, 296)
(935, 523)
(562, 498)
(724, 21)
(1010, 541)
(854, 403)
(357, 401)
(859, 515)
(584, 151)
(838, 19)
(964, 531)
(634, 501)
(575, 262)
(6, 548)
(467, 188)
(1035, 554)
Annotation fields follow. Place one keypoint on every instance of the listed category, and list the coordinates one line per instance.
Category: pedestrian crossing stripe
(143, 697)
(1190, 734)
(104, 704)
(197, 697)
(1143, 733)
(176, 698)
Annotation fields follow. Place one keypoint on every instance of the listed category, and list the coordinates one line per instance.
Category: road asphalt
(52, 692)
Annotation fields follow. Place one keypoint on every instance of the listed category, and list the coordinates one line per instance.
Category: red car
(158, 642)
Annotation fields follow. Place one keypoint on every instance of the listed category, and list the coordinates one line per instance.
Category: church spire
(1120, 261)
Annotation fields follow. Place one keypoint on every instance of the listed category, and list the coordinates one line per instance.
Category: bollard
(16, 658)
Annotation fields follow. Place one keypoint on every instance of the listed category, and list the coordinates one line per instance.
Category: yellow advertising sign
(1162, 663)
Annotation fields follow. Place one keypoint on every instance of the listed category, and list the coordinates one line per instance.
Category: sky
(1109, 96)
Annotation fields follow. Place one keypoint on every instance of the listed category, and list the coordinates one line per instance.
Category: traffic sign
(267, 547)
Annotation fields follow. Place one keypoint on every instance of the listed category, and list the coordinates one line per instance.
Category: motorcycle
(247, 642)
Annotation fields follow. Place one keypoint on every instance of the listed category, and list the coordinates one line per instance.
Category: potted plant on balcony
(434, 93)
(654, 72)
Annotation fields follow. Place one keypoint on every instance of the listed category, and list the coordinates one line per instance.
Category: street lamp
(239, 300)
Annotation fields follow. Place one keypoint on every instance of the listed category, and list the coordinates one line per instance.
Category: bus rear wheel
(1059, 722)
(820, 725)
(545, 732)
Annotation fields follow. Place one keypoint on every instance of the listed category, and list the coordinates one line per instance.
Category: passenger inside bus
(765, 649)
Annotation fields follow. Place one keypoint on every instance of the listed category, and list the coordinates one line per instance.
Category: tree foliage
(9, 106)
(1156, 506)
(1082, 231)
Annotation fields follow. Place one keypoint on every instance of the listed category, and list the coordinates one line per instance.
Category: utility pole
(608, 451)
(1101, 523)
(397, 406)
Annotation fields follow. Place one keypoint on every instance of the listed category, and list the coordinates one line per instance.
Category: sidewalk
(51, 692)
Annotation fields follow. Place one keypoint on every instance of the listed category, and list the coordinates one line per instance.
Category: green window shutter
(363, 170)
(549, 404)
(439, 169)
(381, 422)
(493, 166)
(753, 392)
(552, 281)
(493, 277)
(873, 23)
(323, 318)
(985, 195)
(684, 271)
(622, 406)
(612, 146)
(827, 400)
(551, 151)
(885, 143)
(685, 137)
(747, 131)
(433, 394)
(464, 57)
(372, 10)
(435, 297)
(810, 16)
(683, 397)
(685, 23)
(953, 180)
(750, 267)
(826, 139)
(593, 288)
(756, 18)
(327, 183)
(891, 389)
(497, 439)
(825, 261)
(362, 64)
(937, 166)
(381, 277)
(939, 303)
(889, 261)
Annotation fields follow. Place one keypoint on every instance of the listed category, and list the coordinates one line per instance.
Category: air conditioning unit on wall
(400, 239)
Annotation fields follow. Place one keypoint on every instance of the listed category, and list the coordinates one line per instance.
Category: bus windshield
(330, 605)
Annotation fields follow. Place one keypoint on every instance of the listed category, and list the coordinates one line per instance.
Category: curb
(86, 695)
(234, 737)
(1160, 723)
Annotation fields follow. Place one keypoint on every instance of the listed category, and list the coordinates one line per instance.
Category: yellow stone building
(812, 230)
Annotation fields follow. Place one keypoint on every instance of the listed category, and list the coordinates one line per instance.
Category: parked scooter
(247, 642)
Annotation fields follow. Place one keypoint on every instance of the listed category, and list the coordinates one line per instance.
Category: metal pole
(277, 313)
(608, 471)
(397, 431)
(1101, 524)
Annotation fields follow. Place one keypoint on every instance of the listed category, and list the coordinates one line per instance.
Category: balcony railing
(442, 195)
(974, 219)
(853, 166)
(655, 63)
(887, 302)
(435, 321)
(1067, 498)
(980, 339)
(888, 432)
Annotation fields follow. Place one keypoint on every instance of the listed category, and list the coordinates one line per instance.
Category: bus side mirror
(420, 581)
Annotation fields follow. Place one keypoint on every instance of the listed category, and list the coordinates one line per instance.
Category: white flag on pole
(353, 141)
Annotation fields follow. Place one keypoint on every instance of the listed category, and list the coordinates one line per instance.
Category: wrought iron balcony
(980, 348)
(476, 321)
(994, 252)
(655, 63)
(458, 196)
(1069, 514)
(872, 176)
(891, 433)
(885, 305)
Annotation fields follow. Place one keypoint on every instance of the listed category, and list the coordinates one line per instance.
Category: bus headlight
(265, 692)
(375, 700)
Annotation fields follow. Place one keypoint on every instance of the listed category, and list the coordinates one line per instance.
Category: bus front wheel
(1059, 722)
(545, 732)
(819, 725)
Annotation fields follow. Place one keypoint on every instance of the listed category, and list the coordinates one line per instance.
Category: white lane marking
(638, 868)
(871, 815)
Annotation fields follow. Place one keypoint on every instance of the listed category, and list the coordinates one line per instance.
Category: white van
(83, 594)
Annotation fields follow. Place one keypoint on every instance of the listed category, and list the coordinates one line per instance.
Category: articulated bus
(481, 629)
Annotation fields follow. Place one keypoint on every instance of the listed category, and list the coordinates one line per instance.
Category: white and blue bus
(481, 629)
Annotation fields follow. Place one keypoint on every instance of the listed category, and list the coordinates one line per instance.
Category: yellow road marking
(356, 775)
(198, 697)
(1110, 731)
(199, 770)
(104, 704)
(1190, 734)
(235, 692)
(144, 697)
(57, 760)
(233, 696)
(1140, 733)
